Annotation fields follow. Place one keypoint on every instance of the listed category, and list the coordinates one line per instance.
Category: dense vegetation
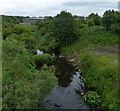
(101, 76)
(99, 69)
(12, 19)
(111, 20)
(23, 85)
(64, 28)
(63, 34)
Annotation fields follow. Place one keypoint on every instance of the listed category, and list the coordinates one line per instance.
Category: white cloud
(47, 7)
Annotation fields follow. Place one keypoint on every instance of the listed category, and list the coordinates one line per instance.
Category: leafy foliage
(99, 75)
(43, 58)
(110, 20)
(90, 23)
(95, 18)
(91, 36)
(46, 41)
(64, 28)
(92, 98)
(21, 81)
(12, 19)
(48, 44)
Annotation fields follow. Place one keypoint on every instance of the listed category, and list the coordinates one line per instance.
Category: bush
(90, 23)
(115, 27)
(114, 104)
(92, 98)
(47, 43)
(81, 25)
(18, 30)
(43, 59)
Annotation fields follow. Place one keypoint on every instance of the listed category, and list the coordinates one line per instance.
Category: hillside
(96, 54)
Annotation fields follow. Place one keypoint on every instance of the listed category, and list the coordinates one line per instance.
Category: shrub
(115, 27)
(92, 98)
(43, 59)
(81, 25)
(18, 30)
(47, 43)
(90, 23)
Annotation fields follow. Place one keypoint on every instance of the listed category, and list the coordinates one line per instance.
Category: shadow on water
(64, 72)
(70, 90)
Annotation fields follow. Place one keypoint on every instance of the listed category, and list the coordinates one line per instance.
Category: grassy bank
(96, 54)
(91, 37)
(21, 81)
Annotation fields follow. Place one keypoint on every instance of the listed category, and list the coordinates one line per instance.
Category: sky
(37, 8)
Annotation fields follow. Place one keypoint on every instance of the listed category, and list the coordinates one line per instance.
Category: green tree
(110, 19)
(64, 28)
(12, 19)
(96, 18)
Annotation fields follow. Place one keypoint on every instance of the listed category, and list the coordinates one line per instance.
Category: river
(68, 94)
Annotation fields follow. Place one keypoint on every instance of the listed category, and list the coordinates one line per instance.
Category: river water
(68, 94)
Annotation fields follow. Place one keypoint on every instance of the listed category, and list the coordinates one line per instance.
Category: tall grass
(91, 37)
(101, 75)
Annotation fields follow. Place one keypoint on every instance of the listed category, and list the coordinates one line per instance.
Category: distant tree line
(62, 30)
(12, 19)
(111, 20)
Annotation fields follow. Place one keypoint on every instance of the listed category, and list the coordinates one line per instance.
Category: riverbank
(98, 62)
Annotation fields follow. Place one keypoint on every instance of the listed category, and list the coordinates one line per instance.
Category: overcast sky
(53, 7)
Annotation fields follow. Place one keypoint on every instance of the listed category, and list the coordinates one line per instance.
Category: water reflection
(69, 92)
(64, 72)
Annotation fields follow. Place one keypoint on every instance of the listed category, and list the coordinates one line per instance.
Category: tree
(96, 18)
(64, 28)
(12, 19)
(111, 19)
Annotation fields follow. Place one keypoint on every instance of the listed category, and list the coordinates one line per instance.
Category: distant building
(31, 20)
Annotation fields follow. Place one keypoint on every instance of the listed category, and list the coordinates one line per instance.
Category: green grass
(98, 35)
(90, 37)
(101, 75)
(27, 26)
(111, 57)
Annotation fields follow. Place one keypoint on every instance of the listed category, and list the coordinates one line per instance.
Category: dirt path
(108, 49)
(101, 49)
